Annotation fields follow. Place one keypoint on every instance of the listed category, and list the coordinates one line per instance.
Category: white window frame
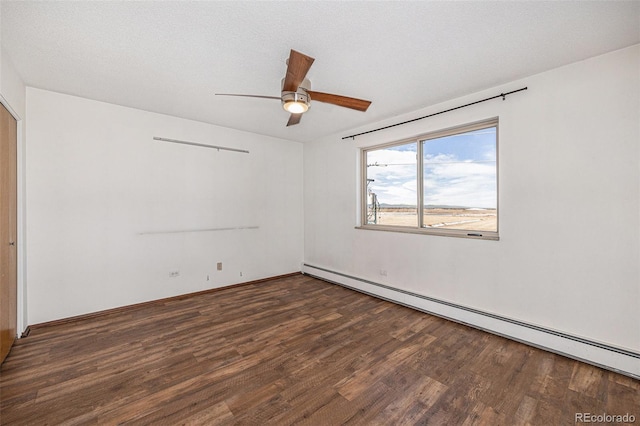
(418, 140)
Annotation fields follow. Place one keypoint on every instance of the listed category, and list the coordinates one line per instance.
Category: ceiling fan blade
(343, 101)
(294, 119)
(297, 70)
(248, 96)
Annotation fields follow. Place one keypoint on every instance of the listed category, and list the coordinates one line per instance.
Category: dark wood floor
(294, 351)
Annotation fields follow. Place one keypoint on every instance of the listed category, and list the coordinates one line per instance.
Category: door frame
(21, 311)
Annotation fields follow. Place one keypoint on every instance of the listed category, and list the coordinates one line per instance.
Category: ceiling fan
(296, 93)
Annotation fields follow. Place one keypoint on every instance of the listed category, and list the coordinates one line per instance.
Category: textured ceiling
(171, 57)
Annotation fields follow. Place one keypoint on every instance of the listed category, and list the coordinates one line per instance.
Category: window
(443, 183)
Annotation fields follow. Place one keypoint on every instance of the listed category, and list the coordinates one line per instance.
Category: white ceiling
(171, 57)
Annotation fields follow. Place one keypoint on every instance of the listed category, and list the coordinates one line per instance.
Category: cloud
(449, 181)
(394, 175)
(470, 181)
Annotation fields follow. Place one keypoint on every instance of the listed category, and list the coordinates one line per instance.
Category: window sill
(457, 233)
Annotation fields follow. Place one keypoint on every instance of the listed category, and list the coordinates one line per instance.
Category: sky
(459, 170)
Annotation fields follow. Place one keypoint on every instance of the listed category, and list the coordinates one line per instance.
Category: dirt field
(471, 220)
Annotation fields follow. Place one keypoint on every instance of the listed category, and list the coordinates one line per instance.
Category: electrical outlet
(240, 273)
(207, 277)
(383, 272)
(174, 274)
(219, 266)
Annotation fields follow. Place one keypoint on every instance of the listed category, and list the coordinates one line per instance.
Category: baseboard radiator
(602, 355)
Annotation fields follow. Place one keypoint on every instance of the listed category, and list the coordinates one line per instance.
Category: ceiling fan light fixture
(294, 102)
(296, 107)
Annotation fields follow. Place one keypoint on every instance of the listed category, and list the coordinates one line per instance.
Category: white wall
(568, 258)
(96, 181)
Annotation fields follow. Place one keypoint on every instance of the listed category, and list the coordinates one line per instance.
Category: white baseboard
(616, 359)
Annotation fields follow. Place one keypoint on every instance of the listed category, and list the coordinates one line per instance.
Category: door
(8, 231)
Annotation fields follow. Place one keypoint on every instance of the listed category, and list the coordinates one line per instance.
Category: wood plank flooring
(293, 351)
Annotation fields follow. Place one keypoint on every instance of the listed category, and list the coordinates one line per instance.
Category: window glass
(392, 185)
(460, 181)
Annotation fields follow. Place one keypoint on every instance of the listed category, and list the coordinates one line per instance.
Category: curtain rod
(200, 144)
(501, 95)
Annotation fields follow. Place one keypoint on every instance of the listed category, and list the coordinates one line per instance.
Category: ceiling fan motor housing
(299, 101)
